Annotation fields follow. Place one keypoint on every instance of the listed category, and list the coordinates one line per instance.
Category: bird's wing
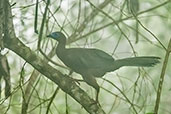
(103, 55)
(89, 58)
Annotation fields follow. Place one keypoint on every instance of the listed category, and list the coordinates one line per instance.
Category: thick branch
(64, 82)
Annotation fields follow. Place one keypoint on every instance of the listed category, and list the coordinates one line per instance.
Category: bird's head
(59, 36)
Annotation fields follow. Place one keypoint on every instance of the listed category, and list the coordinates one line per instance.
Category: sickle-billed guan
(91, 63)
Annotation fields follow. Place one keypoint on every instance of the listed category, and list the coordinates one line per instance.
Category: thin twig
(127, 99)
(156, 108)
(71, 40)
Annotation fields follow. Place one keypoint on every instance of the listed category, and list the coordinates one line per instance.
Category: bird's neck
(61, 45)
(60, 48)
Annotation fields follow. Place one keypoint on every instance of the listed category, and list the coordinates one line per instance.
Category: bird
(91, 63)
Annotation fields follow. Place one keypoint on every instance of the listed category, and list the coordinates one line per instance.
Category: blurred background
(122, 28)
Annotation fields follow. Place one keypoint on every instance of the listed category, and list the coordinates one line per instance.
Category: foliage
(107, 25)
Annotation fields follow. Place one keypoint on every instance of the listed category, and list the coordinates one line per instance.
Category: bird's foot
(96, 102)
(77, 80)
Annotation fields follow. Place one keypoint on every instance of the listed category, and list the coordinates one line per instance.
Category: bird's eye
(56, 35)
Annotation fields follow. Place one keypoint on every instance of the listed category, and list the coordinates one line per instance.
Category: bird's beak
(49, 35)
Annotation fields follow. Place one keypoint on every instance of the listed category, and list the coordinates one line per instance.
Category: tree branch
(64, 82)
(160, 85)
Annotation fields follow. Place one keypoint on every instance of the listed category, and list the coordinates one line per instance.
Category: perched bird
(91, 63)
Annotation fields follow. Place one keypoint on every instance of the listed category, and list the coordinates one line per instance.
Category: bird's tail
(144, 61)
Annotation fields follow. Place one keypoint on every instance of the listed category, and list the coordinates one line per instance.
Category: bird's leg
(76, 80)
(70, 72)
(97, 94)
(92, 82)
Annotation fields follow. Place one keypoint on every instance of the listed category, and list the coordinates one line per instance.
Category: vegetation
(33, 80)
